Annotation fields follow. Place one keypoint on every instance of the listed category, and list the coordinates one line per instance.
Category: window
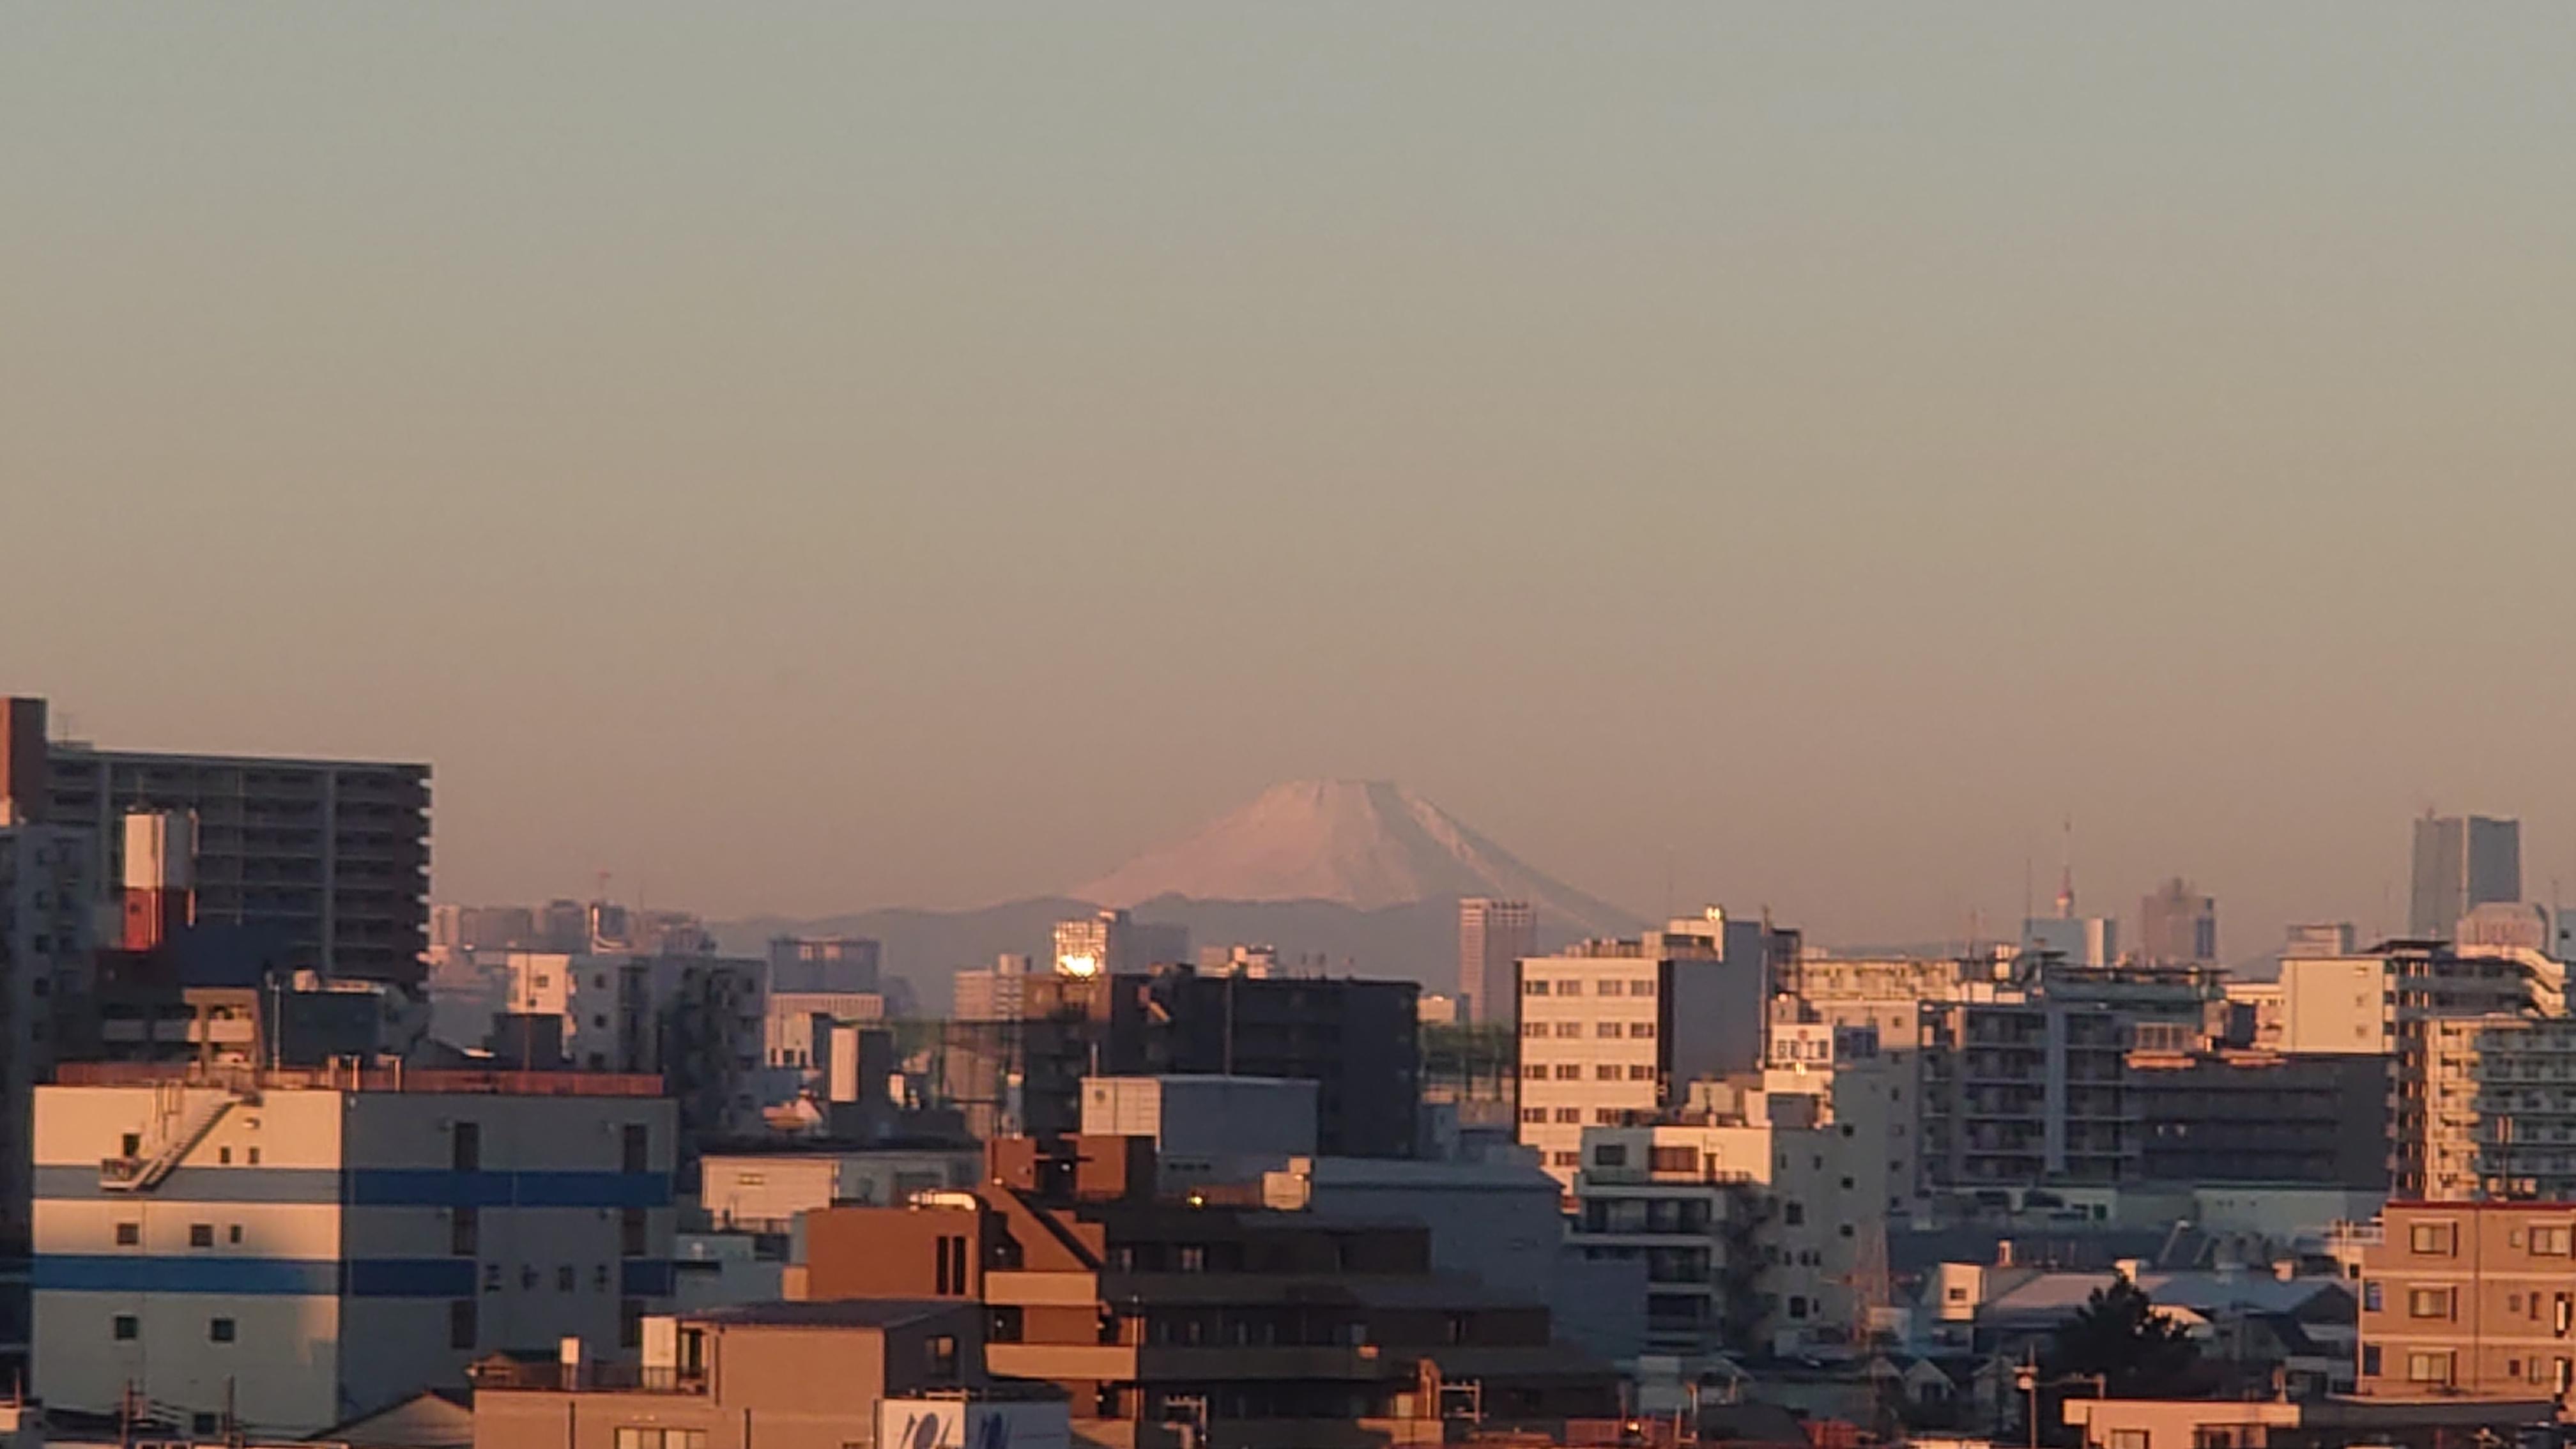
(219, 1330)
(1608, 1072)
(1957, 1295)
(130, 1145)
(1605, 1028)
(127, 1328)
(204, 1425)
(1570, 1116)
(1534, 1072)
(1192, 1259)
(232, 1234)
(661, 1439)
(630, 1330)
(1608, 1116)
(1673, 1159)
(491, 1277)
(463, 1323)
(1606, 988)
(1569, 1071)
(2434, 1238)
(129, 1234)
(2428, 1368)
(1643, 987)
(2549, 1242)
(1533, 1028)
(566, 1279)
(254, 1157)
(1793, 1213)
(1569, 1028)
(1640, 1072)
(2428, 1303)
(1610, 1154)
(1566, 1159)
(1533, 988)
(2128, 1439)
(948, 1266)
(1533, 1115)
(2372, 1297)
(464, 1232)
(630, 1234)
(941, 1357)
(466, 1150)
(1641, 1029)
(223, 1157)
(201, 1235)
(636, 1144)
(2370, 1358)
(1797, 1306)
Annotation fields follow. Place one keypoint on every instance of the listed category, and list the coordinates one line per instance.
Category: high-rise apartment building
(2461, 862)
(46, 916)
(2177, 925)
(2419, 1006)
(1493, 937)
(329, 857)
(1612, 1032)
(2030, 1083)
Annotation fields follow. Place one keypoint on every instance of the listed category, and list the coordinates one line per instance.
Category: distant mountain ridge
(1365, 844)
(1365, 875)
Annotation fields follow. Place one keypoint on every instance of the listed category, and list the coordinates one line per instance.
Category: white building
(1755, 1219)
(1612, 1030)
(762, 1192)
(2078, 940)
(309, 1247)
(700, 1021)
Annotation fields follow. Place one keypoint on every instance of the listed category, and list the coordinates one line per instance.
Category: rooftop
(838, 1313)
(358, 1079)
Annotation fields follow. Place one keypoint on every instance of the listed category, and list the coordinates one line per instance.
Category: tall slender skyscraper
(2461, 862)
(1492, 935)
(2177, 925)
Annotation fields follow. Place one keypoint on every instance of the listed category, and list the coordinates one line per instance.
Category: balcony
(1165, 1363)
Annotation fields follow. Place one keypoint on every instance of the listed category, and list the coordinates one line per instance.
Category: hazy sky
(811, 457)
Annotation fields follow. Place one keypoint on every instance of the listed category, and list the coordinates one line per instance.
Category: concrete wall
(321, 1225)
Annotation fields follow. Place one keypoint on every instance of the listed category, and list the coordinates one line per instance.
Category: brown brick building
(1267, 1328)
(2471, 1298)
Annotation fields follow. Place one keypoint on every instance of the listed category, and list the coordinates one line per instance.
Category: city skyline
(1798, 460)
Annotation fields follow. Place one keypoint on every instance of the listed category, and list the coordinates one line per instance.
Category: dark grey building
(329, 858)
(2461, 862)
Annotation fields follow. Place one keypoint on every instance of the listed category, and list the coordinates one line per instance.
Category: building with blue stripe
(314, 1248)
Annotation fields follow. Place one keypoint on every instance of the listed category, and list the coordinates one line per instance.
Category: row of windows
(2442, 1240)
(1601, 1072)
(127, 1328)
(1607, 1030)
(1640, 986)
(1573, 1116)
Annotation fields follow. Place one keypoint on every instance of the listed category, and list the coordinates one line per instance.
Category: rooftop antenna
(2066, 871)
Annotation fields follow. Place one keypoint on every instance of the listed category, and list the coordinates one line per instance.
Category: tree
(2137, 1352)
